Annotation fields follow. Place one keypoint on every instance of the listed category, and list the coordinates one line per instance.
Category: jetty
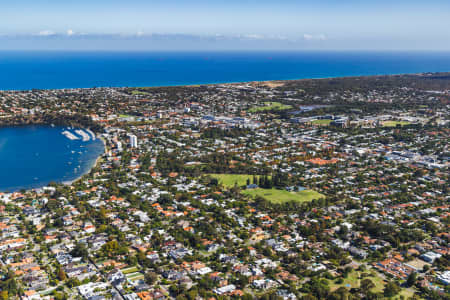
(70, 135)
(91, 133)
(84, 136)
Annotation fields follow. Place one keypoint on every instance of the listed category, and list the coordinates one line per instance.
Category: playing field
(138, 93)
(322, 122)
(270, 106)
(130, 270)
(281, 196)
(395, 123)
(353, 281)
(135, 276)
(229, 180)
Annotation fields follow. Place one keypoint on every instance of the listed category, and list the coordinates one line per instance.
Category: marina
(84, 134)
(69, 135)
(53, 154)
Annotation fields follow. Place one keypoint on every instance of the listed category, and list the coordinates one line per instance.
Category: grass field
(229, 180)
(272, 195)
(322, 122)
(395, 123)
(130, 270)
(352, 281)
(139, 93)
(406, 294)
(270, 106)
(135, 276)
(281, 196)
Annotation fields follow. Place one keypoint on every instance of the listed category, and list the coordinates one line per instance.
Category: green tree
(412, 278)
(391, 289)
(150, 277)
(73, 282)
(80, 251)
(61, 274)
(366, 285)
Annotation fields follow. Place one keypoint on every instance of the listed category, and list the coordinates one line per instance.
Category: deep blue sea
(33, 156)
(55, 70)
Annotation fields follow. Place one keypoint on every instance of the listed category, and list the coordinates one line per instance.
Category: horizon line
(225, 50)
(225, 82)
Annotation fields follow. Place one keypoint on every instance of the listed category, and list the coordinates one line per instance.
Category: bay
(33, 156)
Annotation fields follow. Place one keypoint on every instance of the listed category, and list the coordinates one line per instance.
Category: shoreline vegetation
(47, 119)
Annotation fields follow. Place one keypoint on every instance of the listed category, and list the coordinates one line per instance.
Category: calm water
(47, 70)
(33, 156)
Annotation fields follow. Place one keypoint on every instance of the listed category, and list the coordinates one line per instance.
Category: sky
(225, 24)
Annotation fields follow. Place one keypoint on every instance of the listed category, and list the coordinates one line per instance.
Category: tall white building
(119, 145)
(133, 141)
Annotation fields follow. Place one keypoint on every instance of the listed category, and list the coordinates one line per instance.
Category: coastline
(88, 170)
(91, 69)
(190, 85)
(44, 179)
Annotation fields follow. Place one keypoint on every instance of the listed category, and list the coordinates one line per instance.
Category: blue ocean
(57, 70)
(33, 156)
